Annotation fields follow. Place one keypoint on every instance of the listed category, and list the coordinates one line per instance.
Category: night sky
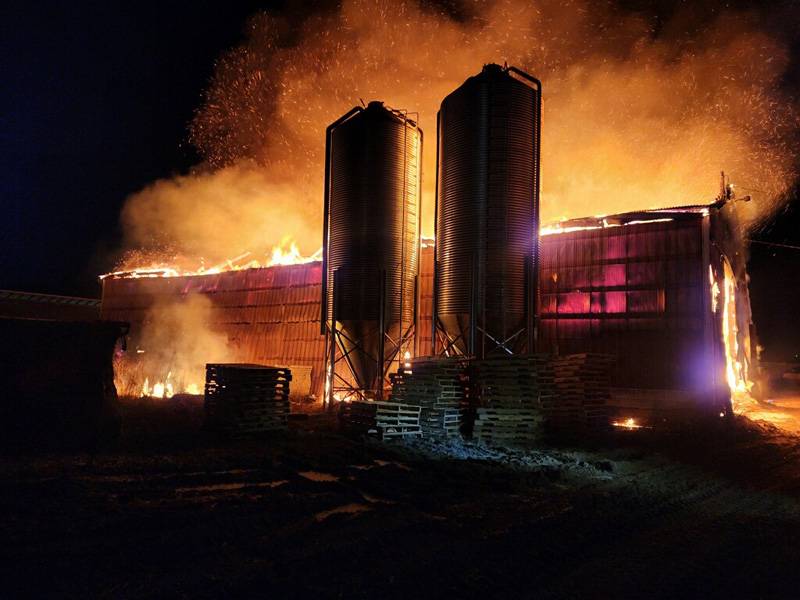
(95, 104)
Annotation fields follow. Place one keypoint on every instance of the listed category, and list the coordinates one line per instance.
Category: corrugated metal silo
(371, 245)
(487, 213)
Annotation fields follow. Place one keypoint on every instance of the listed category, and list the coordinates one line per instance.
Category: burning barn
(665, 291)
(267, 315)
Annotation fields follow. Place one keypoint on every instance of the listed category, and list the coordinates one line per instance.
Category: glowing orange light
(286, 252)
(602, 224)
(629, 423)
(735, 371)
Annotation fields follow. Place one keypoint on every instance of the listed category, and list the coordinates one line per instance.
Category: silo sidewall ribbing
(373, 211)
(487, 204)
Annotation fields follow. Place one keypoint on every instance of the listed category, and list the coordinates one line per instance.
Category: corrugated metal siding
(635, 291)
(270, 316)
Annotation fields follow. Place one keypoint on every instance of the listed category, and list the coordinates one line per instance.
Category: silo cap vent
(492, 68)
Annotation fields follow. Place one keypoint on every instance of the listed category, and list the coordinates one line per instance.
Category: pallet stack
(245, 399)
(581, 385)
(384, 420)
(507, 426)
(437, 386)
(511, 381)
(510, 390)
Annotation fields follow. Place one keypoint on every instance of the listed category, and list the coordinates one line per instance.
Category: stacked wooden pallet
(511, 381)
(385, 420)
(503, 425)
(510, 390)
(243, 399)
(581, 384)
(437, 386)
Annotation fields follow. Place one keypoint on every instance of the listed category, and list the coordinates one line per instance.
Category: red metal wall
(641, 292)
(638, 288)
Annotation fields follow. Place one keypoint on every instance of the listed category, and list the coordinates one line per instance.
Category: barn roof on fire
(654, 215)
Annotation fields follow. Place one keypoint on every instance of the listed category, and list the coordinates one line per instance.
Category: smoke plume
(218, 214)
(174, 345)
(637, 113)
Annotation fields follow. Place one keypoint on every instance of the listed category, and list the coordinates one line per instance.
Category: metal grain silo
(487, 213)
(371, 245)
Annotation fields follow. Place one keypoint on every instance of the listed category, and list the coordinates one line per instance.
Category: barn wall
(270, 315)
(635, 291)
(640, 292)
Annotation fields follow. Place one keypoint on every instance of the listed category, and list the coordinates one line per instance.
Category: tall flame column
(371, 246)
(487, 215)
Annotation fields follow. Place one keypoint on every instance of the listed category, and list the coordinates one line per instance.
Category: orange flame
(167, 388)
(160, 389)
(556, 228)
(735, 370)
(629, 423)
(286, 252)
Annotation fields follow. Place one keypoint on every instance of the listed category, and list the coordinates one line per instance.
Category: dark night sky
(95, 103)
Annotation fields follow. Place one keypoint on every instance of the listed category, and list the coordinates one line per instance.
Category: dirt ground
(170, 512)
(780, 407)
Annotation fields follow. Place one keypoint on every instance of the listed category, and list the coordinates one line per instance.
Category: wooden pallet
(438, 387)
(509, 381)
(507, 426)
(570, 391)
(385, 420)
(245, 399)
(581, 385)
